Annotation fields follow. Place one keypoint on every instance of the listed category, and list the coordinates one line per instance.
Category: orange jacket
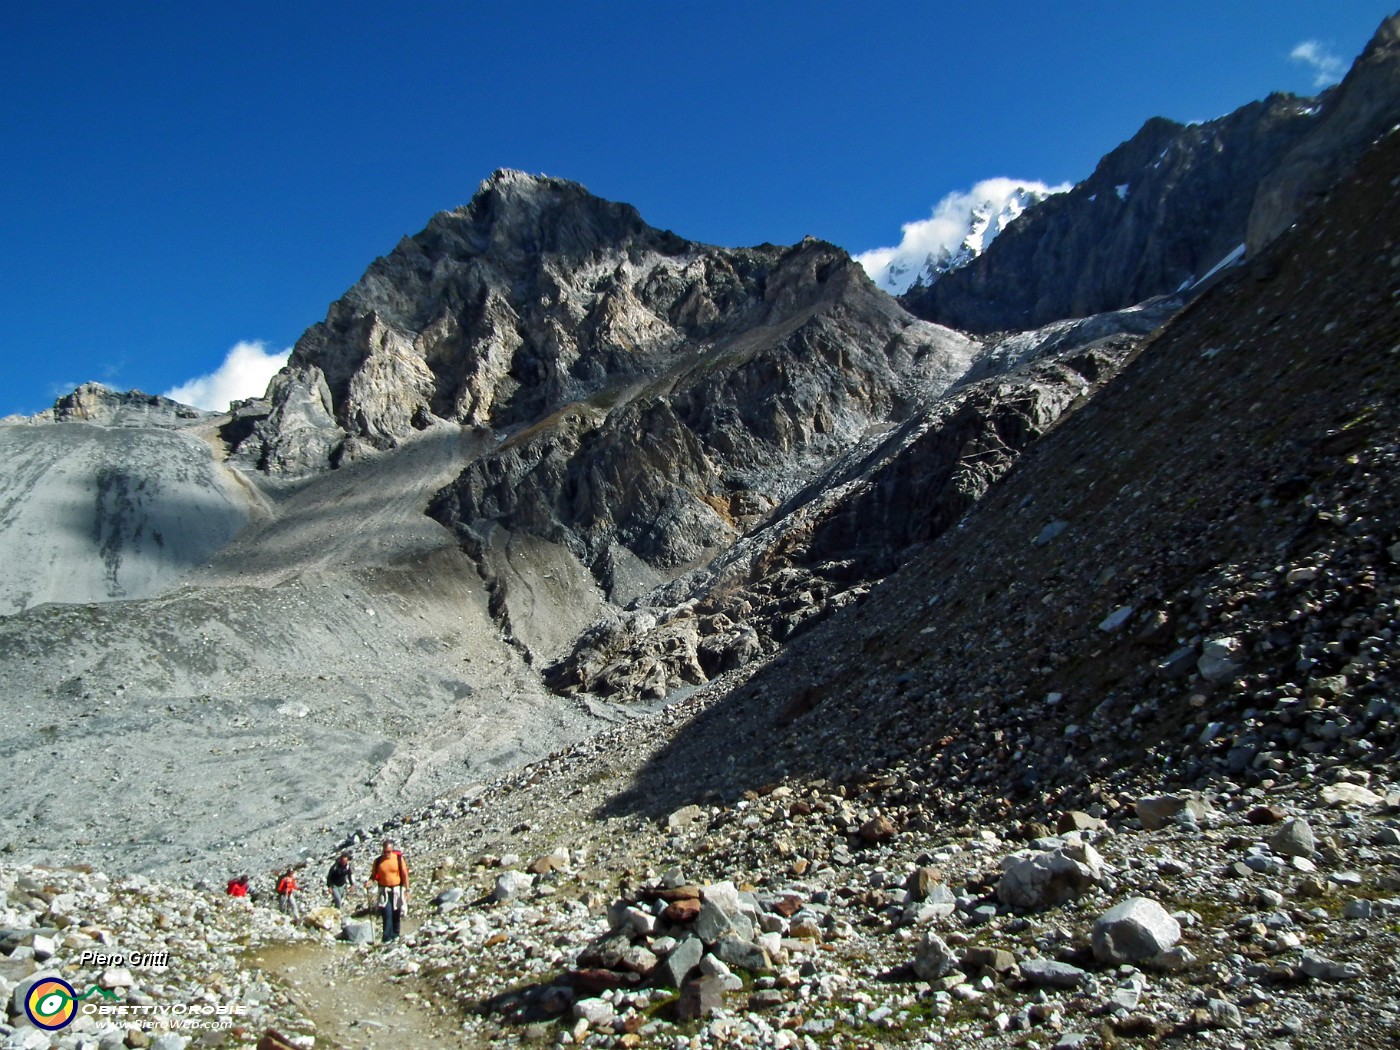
(287, 884)
(390, 871)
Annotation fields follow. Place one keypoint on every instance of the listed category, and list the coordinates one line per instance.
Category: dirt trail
(353, 1006)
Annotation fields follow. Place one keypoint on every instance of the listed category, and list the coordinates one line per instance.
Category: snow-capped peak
(960, 228)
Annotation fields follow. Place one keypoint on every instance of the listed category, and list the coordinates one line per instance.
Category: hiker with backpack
(391, 874)
(287, 901)
(339, 879)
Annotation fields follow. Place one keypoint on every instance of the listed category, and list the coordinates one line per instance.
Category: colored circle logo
(51, 1004)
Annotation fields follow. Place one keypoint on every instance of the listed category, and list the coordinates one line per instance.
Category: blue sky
(182, 178)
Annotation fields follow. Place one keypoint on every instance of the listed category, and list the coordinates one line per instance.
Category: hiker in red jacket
(238, 887)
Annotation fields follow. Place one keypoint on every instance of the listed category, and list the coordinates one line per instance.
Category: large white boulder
(1134, 931)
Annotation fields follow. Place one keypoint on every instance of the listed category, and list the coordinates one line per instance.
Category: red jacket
(286, 884)
(237, 888)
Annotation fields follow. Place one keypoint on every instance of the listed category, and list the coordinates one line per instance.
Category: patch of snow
(1122, 191)
(1234, 255)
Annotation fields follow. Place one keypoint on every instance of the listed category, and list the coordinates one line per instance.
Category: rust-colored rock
(543, 865)
(788, 905)
(878, 829)
(681, 911)
(922, 880)
(679, 893)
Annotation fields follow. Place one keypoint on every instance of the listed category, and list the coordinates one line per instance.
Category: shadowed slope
(1254, 436)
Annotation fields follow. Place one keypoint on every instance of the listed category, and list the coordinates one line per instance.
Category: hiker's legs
(338, 895)
(391, 916)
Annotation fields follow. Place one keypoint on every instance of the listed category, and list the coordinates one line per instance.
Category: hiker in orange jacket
(391, 874)
(287, 901)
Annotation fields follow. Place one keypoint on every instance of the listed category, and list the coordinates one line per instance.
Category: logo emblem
(51, 1004)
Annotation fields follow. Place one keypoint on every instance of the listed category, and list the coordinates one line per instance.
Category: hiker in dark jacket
(339, 879)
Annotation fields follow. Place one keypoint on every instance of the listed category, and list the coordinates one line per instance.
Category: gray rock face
(938, 904)
(1221, 659)
(683, 961)
(292, 431)
(537, 295)
(1320, 968)
(934, 958)
(95, 403)
(1134, 931)
(1048, 973)
(1168, 205)
(96, 509)
(1352, 115)
(1156, 811)
(1157, 213)
(736, 951)
(510, 885)
(716, 921)
(1293, 838)
(1346, 796)
(1042, 879)
(1224, 1014)
(358, 932)
(639, 482)
(821, 549)
(701, 998)
(597, 1012)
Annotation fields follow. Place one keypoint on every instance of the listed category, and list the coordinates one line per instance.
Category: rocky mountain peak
(512, 176)
(985, 222)
(1348, 118)
(515, 215)
(533, 295)
(1387, 38)
(1172, 204)
(100, 404)
(960, 228)
(1157, 214)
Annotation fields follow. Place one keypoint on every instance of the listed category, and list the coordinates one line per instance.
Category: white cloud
(942, 234)
(1328, 68)
(245, 373)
